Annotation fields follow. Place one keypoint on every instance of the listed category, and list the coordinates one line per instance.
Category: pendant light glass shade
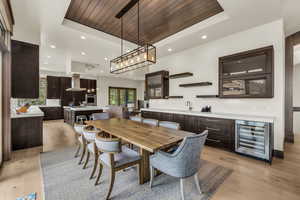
(141, 57)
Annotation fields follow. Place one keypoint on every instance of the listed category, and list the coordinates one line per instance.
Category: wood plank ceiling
(159, 19)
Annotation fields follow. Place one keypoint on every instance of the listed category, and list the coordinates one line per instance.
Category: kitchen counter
(84, 108)
(268, 119)
(33, 111)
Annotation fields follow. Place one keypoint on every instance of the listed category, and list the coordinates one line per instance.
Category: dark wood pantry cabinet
(24, 70)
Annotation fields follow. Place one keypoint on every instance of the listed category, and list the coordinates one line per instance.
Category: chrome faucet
(189, 104)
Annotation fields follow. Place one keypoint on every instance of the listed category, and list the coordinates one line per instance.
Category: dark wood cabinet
(248, 74)
(157, 85)
(66, 96)
(52, 113)
(53, 87)
(24, 70)
(221, 132)
(26, 132)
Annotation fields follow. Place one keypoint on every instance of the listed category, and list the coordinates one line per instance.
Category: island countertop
(268, 119)
(85, 108)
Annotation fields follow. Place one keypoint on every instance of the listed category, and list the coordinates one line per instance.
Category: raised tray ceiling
(158, 18)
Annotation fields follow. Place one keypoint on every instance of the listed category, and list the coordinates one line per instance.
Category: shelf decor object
(196, 84)
(181, 75)
(142, 56)
(207, 96)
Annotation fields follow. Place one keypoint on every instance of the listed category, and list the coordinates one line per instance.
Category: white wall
(296, 98)
(203, 62)
(103, 83)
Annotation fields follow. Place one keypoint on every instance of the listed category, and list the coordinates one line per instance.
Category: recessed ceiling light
(48, 56)
(105, 58)
(83, 37)
(53, 46)
(83, 53)
(204, 37)
(101, 71)
(169, 49)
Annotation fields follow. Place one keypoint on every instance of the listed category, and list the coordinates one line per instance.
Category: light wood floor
(251, 179)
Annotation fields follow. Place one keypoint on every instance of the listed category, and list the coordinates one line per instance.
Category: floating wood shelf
(175, 97)
(196, 84)
(207, 96)
(181, 75)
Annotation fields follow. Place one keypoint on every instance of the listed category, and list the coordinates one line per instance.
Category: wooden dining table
(148, 138)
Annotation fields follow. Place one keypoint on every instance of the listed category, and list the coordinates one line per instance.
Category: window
(122, 96)
(42, 98)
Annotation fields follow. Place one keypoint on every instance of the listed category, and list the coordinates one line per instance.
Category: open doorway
(296, 89)
(292, 86)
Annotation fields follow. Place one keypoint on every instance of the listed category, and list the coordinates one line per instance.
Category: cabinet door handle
(213, 140)
(213, 129)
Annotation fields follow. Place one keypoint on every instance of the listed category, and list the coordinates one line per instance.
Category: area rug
(64, 179)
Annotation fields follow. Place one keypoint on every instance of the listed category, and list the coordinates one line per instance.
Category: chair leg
(151, 176)
(112, 181)
(77, 151)
(197, 183)
(181, 189)
(95, 166)
(83, 153)
(99, 174)
(86, 160)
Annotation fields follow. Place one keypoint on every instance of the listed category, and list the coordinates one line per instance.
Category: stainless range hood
(76, 84)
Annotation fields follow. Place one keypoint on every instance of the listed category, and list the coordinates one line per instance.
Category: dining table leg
(145, 175)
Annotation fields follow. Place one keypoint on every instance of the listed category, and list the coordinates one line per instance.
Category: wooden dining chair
(152, 122)
(89, 139)
(78, 128)
(116, 157)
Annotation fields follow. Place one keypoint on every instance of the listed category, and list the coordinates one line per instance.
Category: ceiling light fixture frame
(144, 55)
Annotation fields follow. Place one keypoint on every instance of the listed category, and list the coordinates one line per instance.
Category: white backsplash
(52, 102)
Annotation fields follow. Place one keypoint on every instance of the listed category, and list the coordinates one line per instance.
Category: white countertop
(84, 108)
(33, 111)
(268, 119)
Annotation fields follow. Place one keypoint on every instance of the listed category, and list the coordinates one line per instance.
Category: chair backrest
(152, 122)
(90, 135)
(136, 118)
(188, 154)
(108, 145)
(172, 125)
(117, 112)
(79, 128)
(100, 116)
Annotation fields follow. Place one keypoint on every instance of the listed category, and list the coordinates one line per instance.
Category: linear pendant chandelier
(142, 56)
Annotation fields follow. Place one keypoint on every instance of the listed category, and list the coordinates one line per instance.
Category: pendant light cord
(138, 15)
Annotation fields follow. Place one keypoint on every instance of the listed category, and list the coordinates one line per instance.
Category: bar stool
(80, 119)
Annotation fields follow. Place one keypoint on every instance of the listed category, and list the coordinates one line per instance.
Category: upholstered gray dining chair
(136, 118)
(100, 116)
(183, 163)
(152, 122)
(171, 125)
(116, 157)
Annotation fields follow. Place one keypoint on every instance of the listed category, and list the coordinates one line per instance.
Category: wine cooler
(254, 139)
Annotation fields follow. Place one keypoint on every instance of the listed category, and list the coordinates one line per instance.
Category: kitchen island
(27, 129)
(70, 113)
